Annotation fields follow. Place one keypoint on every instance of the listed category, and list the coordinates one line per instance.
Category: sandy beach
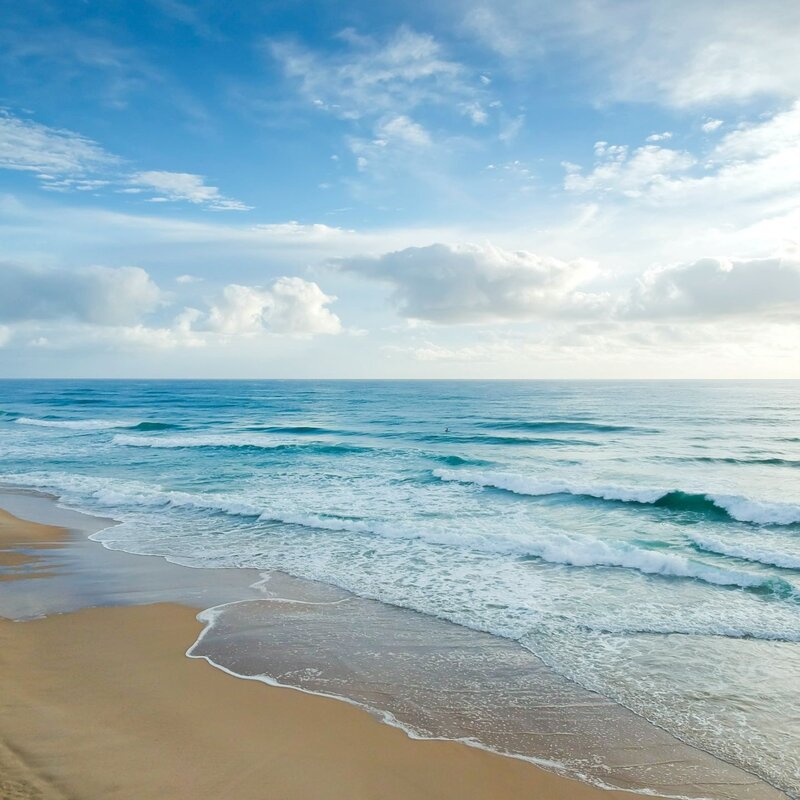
(103, 703)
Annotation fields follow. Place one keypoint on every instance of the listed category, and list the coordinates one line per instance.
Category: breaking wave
(747, 551)
(741, 509)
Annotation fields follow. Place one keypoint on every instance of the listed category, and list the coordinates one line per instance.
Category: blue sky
(595, 188)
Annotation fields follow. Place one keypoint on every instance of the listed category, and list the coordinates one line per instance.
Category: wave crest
(75, 424)
(741, 509)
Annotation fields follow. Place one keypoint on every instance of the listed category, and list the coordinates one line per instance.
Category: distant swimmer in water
(447, 430)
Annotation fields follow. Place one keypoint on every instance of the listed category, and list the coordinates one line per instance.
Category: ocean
(639, 539)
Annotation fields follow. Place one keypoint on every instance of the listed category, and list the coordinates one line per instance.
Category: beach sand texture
(102, 703)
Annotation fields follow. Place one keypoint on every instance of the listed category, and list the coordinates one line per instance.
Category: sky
(460, 189)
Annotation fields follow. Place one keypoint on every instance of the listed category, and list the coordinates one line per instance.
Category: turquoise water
(642, 538)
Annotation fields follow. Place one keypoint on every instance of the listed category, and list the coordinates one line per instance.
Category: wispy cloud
(367, 77)
(662, 52)
(65, 161)
(52, 153)
(184, 186)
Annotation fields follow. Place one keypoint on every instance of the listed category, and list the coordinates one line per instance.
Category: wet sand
(102, 703)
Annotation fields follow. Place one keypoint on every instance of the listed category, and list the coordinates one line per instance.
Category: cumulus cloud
(713, 287)
(176, 186)
(468, 283)
(290, 305)
(97, 295)
(478, 283)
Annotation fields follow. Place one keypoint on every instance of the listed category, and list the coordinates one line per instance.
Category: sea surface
(642, 539)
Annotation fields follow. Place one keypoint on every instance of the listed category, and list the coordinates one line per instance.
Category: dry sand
(102, 704)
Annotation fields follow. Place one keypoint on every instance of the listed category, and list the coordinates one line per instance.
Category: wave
(75, 424)
(574, 551)
(296, 429)
(556, 548)
(95, 424)
(776, 462)
(456, 461)
(231, 441)
(741, 509)
(509, 440)
(560, 425)
(755, 552)
(153, 426)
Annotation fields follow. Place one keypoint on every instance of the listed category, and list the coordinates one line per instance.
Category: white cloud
(65, 161)
(682, 53)
(711, 125)
(375, 77)
(403, 130)
(176, 186)
(477, 283)
(659, 137)
(5, 335)
(755, 165)
(98, 295)
(54, 154)
(397, 139)
(767, 137)
(511, 128)
(475, 111)
(714, 287)
(291, 306)
(631, 175)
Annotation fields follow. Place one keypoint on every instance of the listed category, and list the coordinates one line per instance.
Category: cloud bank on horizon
(507, 189)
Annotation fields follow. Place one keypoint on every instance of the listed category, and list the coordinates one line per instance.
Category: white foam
(749, 551)
(75, 424)
(742, 509)
(556, 548)
(757, 511)
(213, 440)
(522, 484)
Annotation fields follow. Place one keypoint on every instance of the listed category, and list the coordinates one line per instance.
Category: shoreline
(545, 781)
(102, 702)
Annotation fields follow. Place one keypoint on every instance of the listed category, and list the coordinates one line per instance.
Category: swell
(238, 442)
(73, 424)
(153, 426)
(293, 429)
(232, 442)
(733, 507)
(543, 441)
(772, 461)
(560, 425)
(93, 424)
